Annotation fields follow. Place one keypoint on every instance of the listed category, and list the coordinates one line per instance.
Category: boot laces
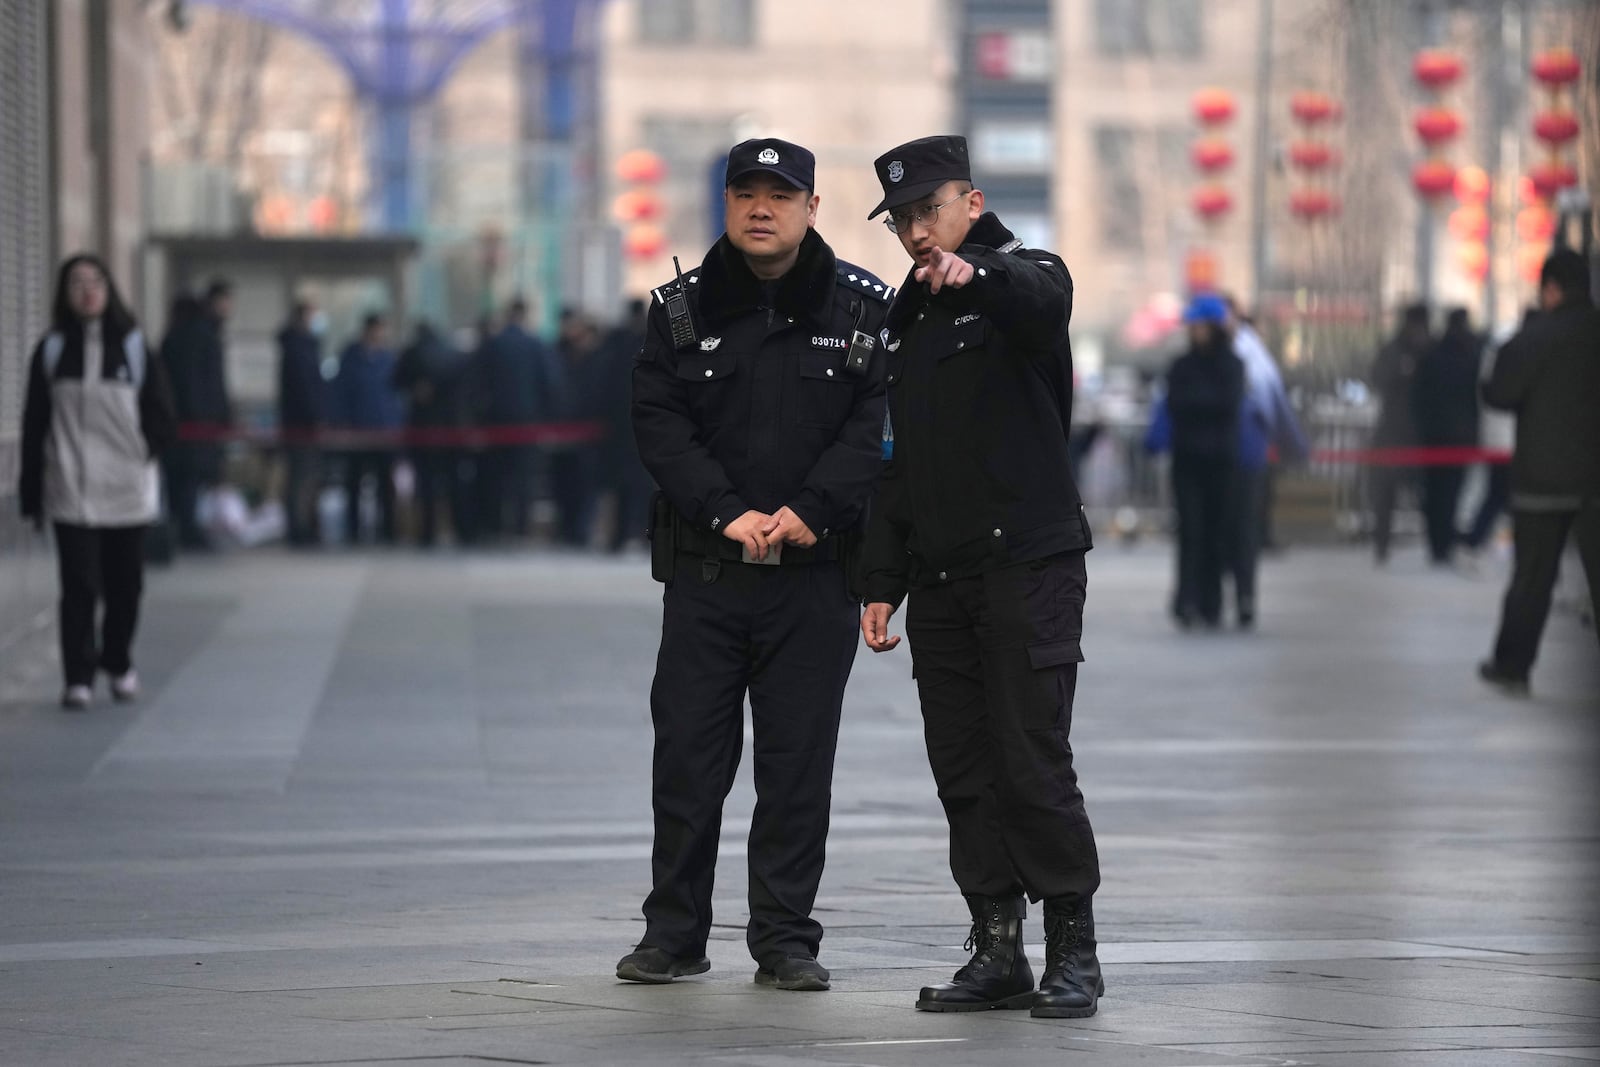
(1063, 933)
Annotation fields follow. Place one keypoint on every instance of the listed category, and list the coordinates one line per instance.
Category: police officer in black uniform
(978, 518)
(758, 405)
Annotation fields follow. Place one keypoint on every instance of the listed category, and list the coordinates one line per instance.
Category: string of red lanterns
(1212, 155)
(1312, 155)
(1557, 127)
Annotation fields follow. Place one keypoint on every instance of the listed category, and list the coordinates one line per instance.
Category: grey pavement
(393, 808)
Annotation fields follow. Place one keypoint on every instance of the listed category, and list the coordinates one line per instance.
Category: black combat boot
(1072, 983)
(998, 975)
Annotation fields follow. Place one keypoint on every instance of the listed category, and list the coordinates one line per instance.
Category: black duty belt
(704, 545)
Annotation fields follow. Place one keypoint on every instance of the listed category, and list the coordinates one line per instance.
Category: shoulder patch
(670, 289)
(858, 280)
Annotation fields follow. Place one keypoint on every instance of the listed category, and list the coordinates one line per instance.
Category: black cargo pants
(787, 637)
(996, 661)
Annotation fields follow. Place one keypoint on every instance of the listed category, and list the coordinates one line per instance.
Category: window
(1149, 28)
(1120, 205)
(720, 22)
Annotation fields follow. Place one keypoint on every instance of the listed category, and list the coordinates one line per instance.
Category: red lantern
(1530, 262)
(1469, 223)
(644, 242)
(636, 205)
(1550, 178)
(1313, 204)
(1535, 224)
(1312, 155)
(1312, 108)
(1557, 67)
(1472, 185)
(1201, 271)
(1212, 154)
(640, 165)
(1473, 259)
(1436, 125)
(1433, 178)
(1436, 68)
(1211, 202)
(1213, 107)
(1555, 127)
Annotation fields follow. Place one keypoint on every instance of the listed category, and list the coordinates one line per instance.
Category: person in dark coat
(620, 469)
(1391, 378)
(364, 399)
(574, 468)
(301, 399)
(98, 412)
(1444, 404)
(516, 385)
(1205, 388)
(195, 354)
(977, 525)
(430, 374)
(1549, 376)
(763, 432)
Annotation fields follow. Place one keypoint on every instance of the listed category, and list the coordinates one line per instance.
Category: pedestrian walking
(364, 400)
(574, 468)
(1393, 372)
(195, 354)
(1444, 404)
(1549, 376)
(98, 412)
(1205, 390)
(429, 374)
(620, 469)
(301, 399)
(977, 520)
(517, 385)
(758, 403)
(1268, 433)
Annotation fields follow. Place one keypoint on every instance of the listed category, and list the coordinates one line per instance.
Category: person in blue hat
(1205, 387)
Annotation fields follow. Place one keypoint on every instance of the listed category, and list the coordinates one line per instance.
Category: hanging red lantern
(644, 242)
(640, 165)
(1436, 68)
(1201, 271)
(1211, 202)
(1530, 261)
(1473, 259)
(1555, 128)
(1550, 178)
(1437, 125)
(1313, 204)
(1212, 155)
(1313, 108)
(1535, 224)
(1557, 67)
(636, 205)
(1469, 223)
(1213, 107)
(1472, 185)
(1433, 178)
(1312, 155)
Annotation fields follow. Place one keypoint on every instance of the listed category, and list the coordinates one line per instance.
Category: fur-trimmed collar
(728, 288)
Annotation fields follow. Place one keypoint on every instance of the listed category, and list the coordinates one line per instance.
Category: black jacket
(1205, 387)
(193, 353)
(1549, 374)
(763, 412)
(1444, 396)
(980, 399)
(301, 390)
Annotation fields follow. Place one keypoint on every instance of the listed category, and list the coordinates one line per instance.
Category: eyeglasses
(901, 221)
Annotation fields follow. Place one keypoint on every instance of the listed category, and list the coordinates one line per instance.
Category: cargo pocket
(825, 390)
(706, 384)
(1054, 686)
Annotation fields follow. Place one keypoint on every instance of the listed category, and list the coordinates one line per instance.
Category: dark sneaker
(654, 966)
(801, 973)
(1511, 684)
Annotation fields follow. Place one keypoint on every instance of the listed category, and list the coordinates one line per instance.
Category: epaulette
(670, 289)
(858, 280)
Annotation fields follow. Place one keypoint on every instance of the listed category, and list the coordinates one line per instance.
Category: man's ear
(811, 210)
(975, 205)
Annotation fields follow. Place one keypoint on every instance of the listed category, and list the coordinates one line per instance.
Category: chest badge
(710, 344)
(768, 156)
(894, 346)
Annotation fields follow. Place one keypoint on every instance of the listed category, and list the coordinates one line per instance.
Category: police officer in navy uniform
(758, 405)
(977, 518)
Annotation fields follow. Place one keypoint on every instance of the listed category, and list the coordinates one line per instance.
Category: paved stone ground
(394, 809)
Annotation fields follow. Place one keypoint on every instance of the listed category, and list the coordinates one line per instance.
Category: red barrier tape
(532, 433)
(1412, 457)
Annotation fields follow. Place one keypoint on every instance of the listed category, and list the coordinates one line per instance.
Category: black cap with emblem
(790, 162)
(911, 171)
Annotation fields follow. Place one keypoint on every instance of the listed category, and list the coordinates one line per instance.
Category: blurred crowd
(468, 438)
